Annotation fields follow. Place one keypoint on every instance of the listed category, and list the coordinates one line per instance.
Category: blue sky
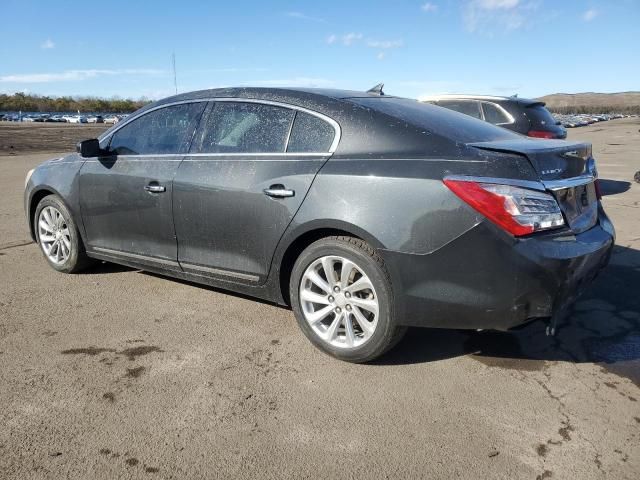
(124, 47)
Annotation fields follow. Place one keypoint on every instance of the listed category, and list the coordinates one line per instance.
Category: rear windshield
(438, 120)
(539, 116)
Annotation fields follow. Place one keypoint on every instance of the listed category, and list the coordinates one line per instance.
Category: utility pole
(173, 64)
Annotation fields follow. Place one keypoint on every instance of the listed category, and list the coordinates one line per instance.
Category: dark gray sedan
(365, 213)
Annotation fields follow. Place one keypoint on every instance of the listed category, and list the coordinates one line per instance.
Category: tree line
(37, 103)
(594, 109)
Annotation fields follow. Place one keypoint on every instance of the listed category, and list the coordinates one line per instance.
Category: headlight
(26, 180)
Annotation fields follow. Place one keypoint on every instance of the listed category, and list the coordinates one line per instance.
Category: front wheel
(342, 298)
(58, 236)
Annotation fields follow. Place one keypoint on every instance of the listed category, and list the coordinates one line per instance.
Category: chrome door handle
(279, 191)
(155, 188)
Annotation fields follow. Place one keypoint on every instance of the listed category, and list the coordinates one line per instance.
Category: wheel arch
(36, 197)
(303, 236)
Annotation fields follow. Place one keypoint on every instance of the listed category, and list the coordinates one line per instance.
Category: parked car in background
(76, 119)
(366, 213)
(528, 117)
(95, 119)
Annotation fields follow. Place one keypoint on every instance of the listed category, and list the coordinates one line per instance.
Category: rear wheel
(58, 236)
(342, 298)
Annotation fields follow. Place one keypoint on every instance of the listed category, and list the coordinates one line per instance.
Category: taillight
(540, 134)
(519, 211)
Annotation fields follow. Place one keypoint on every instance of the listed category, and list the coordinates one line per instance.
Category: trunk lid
(566, 169)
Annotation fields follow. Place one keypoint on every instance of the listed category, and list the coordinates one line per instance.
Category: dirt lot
(32, 137)
(121, 374)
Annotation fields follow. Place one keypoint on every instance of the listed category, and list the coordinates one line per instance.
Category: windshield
(438, 120)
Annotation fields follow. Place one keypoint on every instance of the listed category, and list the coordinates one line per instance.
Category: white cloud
(498, 4)
(351, 38)
(303, 16)
(47, 44)
(74, 75)
(381, 55)
(347, 39)
(384, 44)
(491, 16)
(590, 15)
(429, 7)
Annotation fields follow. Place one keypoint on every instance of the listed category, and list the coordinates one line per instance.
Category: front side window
(243, 127)
(494, 114)
(310, 134)
(167, 130)
(468, 107)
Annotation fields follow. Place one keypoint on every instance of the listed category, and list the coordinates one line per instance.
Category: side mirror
(89, 148)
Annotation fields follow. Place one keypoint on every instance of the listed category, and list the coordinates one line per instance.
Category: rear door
(248, 171)
(126, 198)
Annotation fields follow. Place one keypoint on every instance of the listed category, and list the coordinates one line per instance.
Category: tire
(368, 327)
(70, 255)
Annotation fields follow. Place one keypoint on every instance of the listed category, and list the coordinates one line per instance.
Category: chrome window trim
(503, 110)
(530, 184)
(184, 155)
(329, 120)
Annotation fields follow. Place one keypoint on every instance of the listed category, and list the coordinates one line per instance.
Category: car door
(126, 197)
(248, 171)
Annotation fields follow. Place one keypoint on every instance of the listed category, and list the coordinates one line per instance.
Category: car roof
(265, 93)
(454, 96)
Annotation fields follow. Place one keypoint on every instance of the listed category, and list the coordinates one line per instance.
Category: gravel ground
(17, 138)
(116, 373)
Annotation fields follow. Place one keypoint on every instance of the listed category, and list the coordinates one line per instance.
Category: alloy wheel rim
(53, 232)
(339, 302)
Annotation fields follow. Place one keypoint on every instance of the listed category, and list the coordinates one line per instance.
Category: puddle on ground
(87, 351)
(131, 353)
(511, 363)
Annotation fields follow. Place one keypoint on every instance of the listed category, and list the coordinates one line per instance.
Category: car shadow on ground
(102, 268)
(603, 327)
(613, 187)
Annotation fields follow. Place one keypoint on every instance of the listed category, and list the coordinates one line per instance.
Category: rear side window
(242, 127)
(494, 114)
(167, 130)
(539, 116)
(468, 107)
(310, 134)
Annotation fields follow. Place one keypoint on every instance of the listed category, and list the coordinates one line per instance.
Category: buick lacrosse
(366, 213)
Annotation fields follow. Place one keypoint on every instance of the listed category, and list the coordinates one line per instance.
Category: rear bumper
(490, 280)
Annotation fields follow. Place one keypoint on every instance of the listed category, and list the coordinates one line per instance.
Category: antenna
(173, 64)
(377, 90)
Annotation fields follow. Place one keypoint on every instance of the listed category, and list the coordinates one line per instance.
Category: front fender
(59, 177)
